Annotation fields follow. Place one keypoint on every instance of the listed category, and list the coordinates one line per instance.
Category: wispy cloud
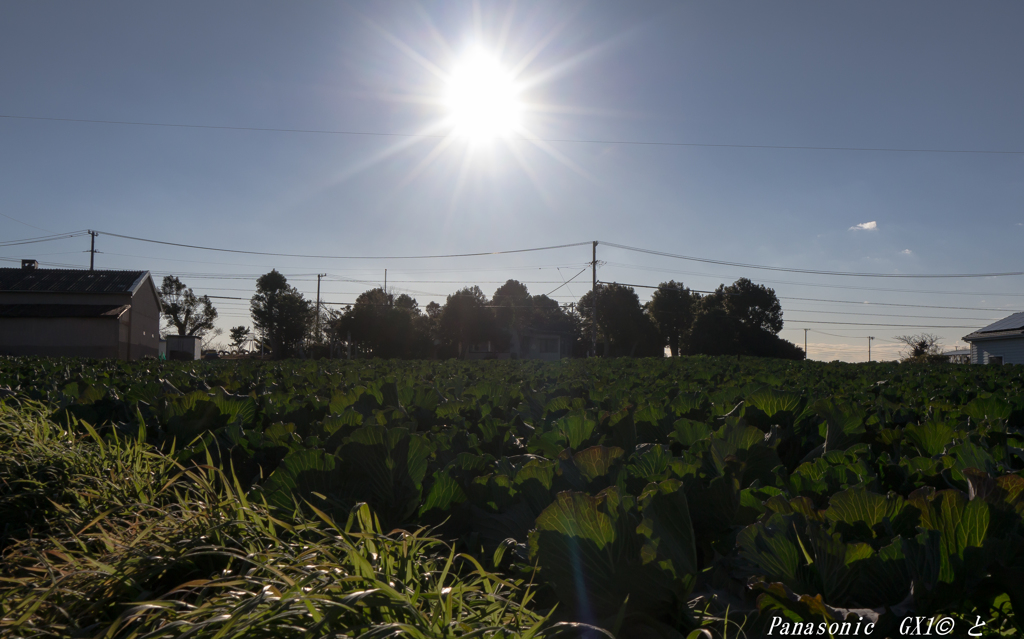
(907, 252)
(866, 226)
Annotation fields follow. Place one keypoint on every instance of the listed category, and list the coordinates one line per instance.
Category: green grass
(113, 539)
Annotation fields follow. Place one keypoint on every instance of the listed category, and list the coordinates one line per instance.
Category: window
(995, 360)
(549, 345)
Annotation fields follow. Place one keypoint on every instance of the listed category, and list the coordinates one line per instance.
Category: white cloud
(907, 252)
(866, 226)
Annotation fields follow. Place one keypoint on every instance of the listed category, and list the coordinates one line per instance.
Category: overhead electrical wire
(792, 283)
(950, 308)
(969, 319)
(802, 270)
(299, 277)
(14, 219)
(566, 282)
(528, 250)
(884, 325)
(519, 138)
(46, 238)
(812, 299)
(344, 257)
(397, 270)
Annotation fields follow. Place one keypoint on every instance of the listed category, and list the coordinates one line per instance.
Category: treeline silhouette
(741, 319)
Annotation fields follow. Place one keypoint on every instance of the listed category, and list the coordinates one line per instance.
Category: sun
(482, 98)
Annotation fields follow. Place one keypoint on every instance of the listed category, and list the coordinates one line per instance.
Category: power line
(790, 282)
(801, 270)
(950, 308)
(299, 278)
(345, 257)
(520, 138)
(812, 299)
(46, 238)
(375, 270)
(26, 223)
(884, 325)
(566, 282)
(805, 310)
(814, 330)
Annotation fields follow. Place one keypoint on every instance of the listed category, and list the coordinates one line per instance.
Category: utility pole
(593, 291)
(805, 342)
(385, 283)
(92, 249)
(318, 276)
(869, 347)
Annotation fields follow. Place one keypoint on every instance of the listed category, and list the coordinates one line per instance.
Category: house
(526, 344)
(543, 345)
(962, 356)
(999, 343)
(78, 313)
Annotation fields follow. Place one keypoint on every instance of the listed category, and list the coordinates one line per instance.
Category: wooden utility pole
(869, 347)
(385, 283)
(593, 291)
(805, 342)
(318, 276)
(92, 249)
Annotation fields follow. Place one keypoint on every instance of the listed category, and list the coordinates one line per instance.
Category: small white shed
(187, 347)
(999, 343)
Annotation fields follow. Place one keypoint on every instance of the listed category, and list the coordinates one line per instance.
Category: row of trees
(741, 319)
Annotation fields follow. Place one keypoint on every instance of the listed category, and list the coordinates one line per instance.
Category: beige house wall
(132, 336)
(61, 336)
(145, 322)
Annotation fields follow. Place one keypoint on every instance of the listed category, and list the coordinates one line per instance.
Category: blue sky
(907, 75)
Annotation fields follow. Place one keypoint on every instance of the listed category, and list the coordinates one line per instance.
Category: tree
(621, 322)
(754, 305)
(238, 337)
(405, 302)
(672, 308)
(465, 320)
(281, 314)
(433, 310)
(184, 312)
(512, 310)
(921, 347)
(741, 319)
(382, 325)
(207, 343)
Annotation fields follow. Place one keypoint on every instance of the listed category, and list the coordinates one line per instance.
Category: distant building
(999, 343)
(543, 345)
(958, 357)
(526, 344)
(78, 313)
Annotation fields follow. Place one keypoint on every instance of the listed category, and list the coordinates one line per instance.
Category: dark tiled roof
(68, 280)
(62, 310)
(1012, 326)
(980, 335)
(1011, 323)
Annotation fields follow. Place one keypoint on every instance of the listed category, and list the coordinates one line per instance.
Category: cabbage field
(632, 498)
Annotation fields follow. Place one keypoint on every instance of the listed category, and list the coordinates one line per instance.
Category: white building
(999, 343)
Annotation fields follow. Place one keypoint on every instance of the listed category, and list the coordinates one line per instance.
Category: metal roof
(1011, 323)
(22, 280)
(63, 310)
